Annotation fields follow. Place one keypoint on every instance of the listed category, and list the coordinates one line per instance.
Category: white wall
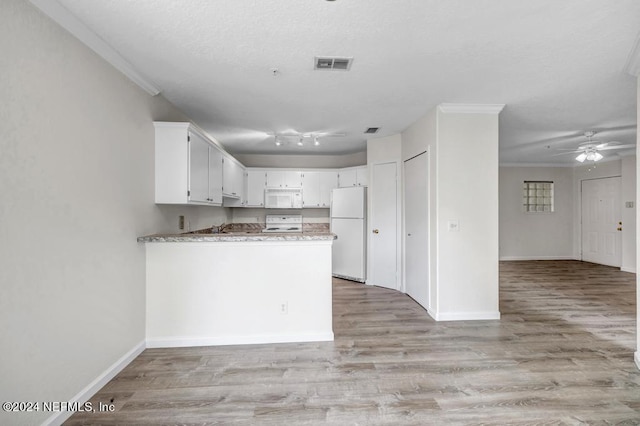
(536, 236)
(637, 353)
(468, 193)
(303, 161)
(463, 187)
(628, 169)
(76, 183)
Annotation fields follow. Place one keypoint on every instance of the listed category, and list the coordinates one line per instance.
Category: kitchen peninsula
(238, 287)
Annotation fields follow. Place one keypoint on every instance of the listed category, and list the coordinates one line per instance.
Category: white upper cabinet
(328, 181)
(355, 176)
(284, 179)
(198, 168)
(232, 178)
(215, 175)
(256, 182)
(311, 189)
(186, 167)
(316, 188)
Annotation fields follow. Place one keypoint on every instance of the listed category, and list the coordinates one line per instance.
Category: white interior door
(601, 236)
(416, 229)
(384, 221)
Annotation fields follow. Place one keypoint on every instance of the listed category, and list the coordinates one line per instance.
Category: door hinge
(188, 193)
(188, 138)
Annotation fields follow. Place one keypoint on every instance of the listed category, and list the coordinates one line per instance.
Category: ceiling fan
(590, 150)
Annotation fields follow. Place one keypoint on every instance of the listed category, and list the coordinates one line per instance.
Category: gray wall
(536, 235)
(76, 183)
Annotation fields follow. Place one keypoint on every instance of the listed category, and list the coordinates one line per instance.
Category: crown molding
(545, 165)
(69, 22)
(632, 66)
(471, 108)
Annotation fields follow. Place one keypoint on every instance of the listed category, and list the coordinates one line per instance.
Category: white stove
(283, 223)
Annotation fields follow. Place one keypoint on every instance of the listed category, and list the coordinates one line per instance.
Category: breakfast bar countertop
(237, 236)
(234, 233)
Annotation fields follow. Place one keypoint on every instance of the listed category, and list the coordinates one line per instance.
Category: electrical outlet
(284, 308)
(180, 222)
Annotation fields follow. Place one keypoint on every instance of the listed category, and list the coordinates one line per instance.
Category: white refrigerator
(349, 222)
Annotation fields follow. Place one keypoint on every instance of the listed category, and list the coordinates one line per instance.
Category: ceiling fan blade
(616, 147)
(565, 153)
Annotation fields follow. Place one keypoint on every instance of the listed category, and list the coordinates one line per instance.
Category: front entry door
(601, 236)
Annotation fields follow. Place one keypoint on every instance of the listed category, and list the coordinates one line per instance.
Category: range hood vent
(332, 63)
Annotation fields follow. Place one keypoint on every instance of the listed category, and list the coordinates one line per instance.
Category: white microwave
(283, 198)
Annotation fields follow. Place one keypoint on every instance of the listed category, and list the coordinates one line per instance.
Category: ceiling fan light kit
(589, 155)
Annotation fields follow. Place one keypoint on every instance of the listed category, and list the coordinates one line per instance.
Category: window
(537, 196)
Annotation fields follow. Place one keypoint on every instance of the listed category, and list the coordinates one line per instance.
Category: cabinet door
(229, 177)
(311, 189)
(362, 176)
(328, 181)
(275, 178)
(347, 178)
(215, 175)
(256, 181)
(238, 181)
(198, 169)
(292, 179)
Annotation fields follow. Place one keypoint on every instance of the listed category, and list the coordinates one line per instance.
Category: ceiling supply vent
(332, 63)
(372, 130)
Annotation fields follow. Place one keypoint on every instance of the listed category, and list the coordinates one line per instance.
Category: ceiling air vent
(372, 130)
(332, 63)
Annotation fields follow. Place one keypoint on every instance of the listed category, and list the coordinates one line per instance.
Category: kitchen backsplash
(258, 227)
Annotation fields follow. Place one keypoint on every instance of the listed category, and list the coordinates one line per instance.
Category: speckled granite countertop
(242, 232)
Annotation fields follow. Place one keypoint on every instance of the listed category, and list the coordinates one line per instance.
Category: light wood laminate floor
(561, 354)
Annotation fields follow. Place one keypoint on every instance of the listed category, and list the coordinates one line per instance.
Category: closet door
(416, 229)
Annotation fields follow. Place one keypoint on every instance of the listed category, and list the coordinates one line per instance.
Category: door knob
(375, 231)
(408, 235)
(619, 228)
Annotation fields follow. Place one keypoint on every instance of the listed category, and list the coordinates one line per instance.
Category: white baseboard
(509, 258)
(467, 316)
(98, 383)
(627, 269)
(185, 341)
(636, 358)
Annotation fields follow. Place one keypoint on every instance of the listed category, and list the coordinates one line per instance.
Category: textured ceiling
(557, 65)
